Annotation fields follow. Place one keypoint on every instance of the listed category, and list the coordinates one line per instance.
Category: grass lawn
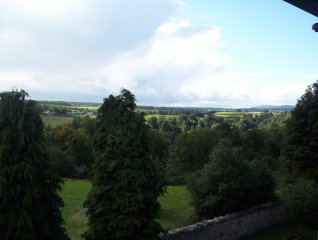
(175, 211)
(175, 208)
(284, 231)
(54, 121)
(74, 194)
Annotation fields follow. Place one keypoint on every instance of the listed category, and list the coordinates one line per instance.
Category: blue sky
(167, 52)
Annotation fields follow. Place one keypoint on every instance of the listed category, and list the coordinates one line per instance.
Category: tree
(76, 143)
(302, 140)
(191, 149)
(29, 202)
(229, 183)
(126, 179)
(153, 122)
(299, 198)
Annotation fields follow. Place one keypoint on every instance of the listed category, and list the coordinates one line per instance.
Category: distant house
(48, 112)
(88, 114)
(75, 112)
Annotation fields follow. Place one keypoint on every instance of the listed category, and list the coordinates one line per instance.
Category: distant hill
(273, 107)
(257, 108)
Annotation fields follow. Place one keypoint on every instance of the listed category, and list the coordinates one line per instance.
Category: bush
(229, 183)
(300, 201)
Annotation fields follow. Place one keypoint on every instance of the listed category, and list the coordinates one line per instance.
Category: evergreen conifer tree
(29, 202)
(126, 180)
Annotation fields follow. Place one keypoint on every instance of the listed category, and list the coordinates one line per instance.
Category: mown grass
(175, 208)
(175, 211)
(54, 121)
(74, 194)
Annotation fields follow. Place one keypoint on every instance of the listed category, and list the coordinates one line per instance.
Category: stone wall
(232, 226)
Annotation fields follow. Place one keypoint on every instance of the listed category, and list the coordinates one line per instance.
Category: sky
(194, 53)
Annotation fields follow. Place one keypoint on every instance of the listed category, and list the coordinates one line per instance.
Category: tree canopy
(302, 142)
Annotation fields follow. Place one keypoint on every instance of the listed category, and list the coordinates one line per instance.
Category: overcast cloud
(83, 50)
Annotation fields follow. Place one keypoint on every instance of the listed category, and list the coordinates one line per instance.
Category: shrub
(300, 200)
(229, 183)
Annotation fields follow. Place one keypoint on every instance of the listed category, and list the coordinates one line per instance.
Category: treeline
(62, 108)
(70, 146)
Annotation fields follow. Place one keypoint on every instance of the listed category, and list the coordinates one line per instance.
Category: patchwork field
(54, 121)
(175, 211)
(236, 114)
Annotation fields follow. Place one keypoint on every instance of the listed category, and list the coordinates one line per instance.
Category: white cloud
(56, 35)
(177, 55)
(83, 50)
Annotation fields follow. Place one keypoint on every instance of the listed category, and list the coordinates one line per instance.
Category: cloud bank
(83, 50)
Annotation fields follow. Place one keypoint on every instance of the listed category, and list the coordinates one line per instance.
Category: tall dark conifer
(123, 203)
(29, 202)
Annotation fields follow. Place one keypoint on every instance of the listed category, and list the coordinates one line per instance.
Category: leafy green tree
(302, 142)
(153, 122)
(29, 200)
(76, 143)
(62, 162)
(299, 198)
(126, 179)
(229, 183)
(191, 149)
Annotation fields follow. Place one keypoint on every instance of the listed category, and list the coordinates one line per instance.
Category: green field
(175, 211)
(74, 194)
(236, 113)
(54, 121)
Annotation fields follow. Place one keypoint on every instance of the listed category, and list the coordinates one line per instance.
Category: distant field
(237, 113)
(175, 211)
(91, 108)
(54, 121)
(161, 116)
